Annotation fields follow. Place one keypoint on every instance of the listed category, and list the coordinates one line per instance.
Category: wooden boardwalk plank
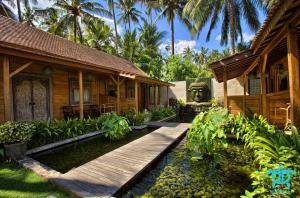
(107, 174)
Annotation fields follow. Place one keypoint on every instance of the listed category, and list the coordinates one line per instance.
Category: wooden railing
(277, 104)
(252, 104)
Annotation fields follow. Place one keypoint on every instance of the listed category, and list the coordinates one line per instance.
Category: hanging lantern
(89, 76)
(47, 70)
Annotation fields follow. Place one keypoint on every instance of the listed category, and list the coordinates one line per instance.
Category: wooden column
(245, 84)
(80, 79)
(156, 96)
(293, 67)
(136, 95)
(225, 87)
(6, 89)
(168, 96)
(263, 86)
(118, 95)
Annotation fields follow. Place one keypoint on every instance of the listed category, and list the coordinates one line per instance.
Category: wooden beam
(6, 89)
(81, 98)
(136, 95)
(118, 95)
(113, 79)
(20, 69)
(264, 64)
(293, 67)
(225, 86)
(263, 86)
(252, 66)
(122, 81)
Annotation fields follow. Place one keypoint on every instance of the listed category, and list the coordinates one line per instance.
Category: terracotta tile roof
(24, 38)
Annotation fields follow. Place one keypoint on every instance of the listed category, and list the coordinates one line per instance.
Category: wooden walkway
(108, 174)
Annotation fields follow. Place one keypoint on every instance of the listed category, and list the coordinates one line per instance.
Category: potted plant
(14, 136)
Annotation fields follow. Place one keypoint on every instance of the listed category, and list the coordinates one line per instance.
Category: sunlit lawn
(16, 182)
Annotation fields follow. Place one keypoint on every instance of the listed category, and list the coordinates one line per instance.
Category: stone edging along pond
(63, 142)
(81, 137)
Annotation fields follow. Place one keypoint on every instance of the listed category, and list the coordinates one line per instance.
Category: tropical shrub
(271, 149)
(136, 118)
(16, 132)
(115, 127)
(208, 132)
(160, 113)
(51, 131)
(214, 102)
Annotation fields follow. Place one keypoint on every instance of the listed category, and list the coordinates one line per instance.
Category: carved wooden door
(31, 99)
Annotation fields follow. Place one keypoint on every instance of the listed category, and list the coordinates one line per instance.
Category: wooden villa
(269, 69)
(49, 77)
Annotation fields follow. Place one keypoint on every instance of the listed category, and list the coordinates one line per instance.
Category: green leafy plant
(115, 127)
(51, 131)
(214, 102)
(160, 113)
(16, 132)
(135, 118)
(208, 132)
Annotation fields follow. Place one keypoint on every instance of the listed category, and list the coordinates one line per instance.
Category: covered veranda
(269, 69)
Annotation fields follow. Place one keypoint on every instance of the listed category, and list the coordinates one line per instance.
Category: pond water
(176, 175)
(75, 154)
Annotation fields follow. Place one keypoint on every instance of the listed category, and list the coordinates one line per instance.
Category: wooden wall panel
(276, 106)
(236, 104)
(1, 91)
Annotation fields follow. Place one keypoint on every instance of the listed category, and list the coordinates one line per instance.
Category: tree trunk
(115, 24)
(129, 26)
(172, 35)
(75, 28)
(232, 32)
(19, 10)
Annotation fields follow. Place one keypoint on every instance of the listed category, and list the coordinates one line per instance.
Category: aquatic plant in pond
(208, 133)
(176, 175)
(136, 118)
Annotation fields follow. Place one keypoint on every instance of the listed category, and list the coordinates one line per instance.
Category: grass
(18, 182)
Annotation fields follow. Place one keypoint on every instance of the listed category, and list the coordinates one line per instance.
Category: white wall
(178, 91)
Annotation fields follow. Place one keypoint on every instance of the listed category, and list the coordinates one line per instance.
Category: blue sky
(183, 38)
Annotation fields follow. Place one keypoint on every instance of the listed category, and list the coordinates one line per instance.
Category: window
(111, 88)
(74, 92)
(129, 89)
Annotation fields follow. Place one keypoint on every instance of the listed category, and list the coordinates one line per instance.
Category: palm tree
(170, 9)
(150, 59)
(99, 36)
(28, 15)
(5, 10)
(111, 9)
(202, 56)
(130, 45)
(128, 13)
(73, 14)
(231, 11)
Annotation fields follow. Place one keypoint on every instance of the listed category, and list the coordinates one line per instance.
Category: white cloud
(246, 36)
(179, 46)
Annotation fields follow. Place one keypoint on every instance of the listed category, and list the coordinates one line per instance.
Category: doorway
(31, 98)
